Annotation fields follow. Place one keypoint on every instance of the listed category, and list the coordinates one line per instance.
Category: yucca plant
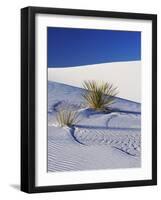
(99, 95)
(67, 118)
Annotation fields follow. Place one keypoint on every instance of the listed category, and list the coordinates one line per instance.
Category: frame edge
(24, 100)
(154, 99)
(27, 102)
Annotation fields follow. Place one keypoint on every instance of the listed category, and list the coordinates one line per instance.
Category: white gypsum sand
(125, 75)
(99, 140)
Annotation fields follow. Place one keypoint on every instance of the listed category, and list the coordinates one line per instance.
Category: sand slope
(98, 141)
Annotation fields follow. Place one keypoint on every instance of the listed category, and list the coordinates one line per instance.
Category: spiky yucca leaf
(99, 96)
(67, 118)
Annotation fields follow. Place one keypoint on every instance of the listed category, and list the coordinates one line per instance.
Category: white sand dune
(125, 75)
(98, 141)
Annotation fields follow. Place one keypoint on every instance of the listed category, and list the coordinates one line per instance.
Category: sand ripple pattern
(115, 137)
(65, 154)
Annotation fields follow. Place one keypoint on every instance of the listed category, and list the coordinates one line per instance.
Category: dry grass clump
(99, 96)
(67, 118)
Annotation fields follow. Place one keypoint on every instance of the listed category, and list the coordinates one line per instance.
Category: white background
(10, 99)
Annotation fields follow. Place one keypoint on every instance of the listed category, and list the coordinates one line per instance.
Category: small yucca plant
(67, 118)
(99, 96)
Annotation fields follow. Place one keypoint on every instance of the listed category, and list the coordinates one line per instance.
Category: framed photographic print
(88, 99)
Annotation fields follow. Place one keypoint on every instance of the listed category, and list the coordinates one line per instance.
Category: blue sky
(67, 47)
